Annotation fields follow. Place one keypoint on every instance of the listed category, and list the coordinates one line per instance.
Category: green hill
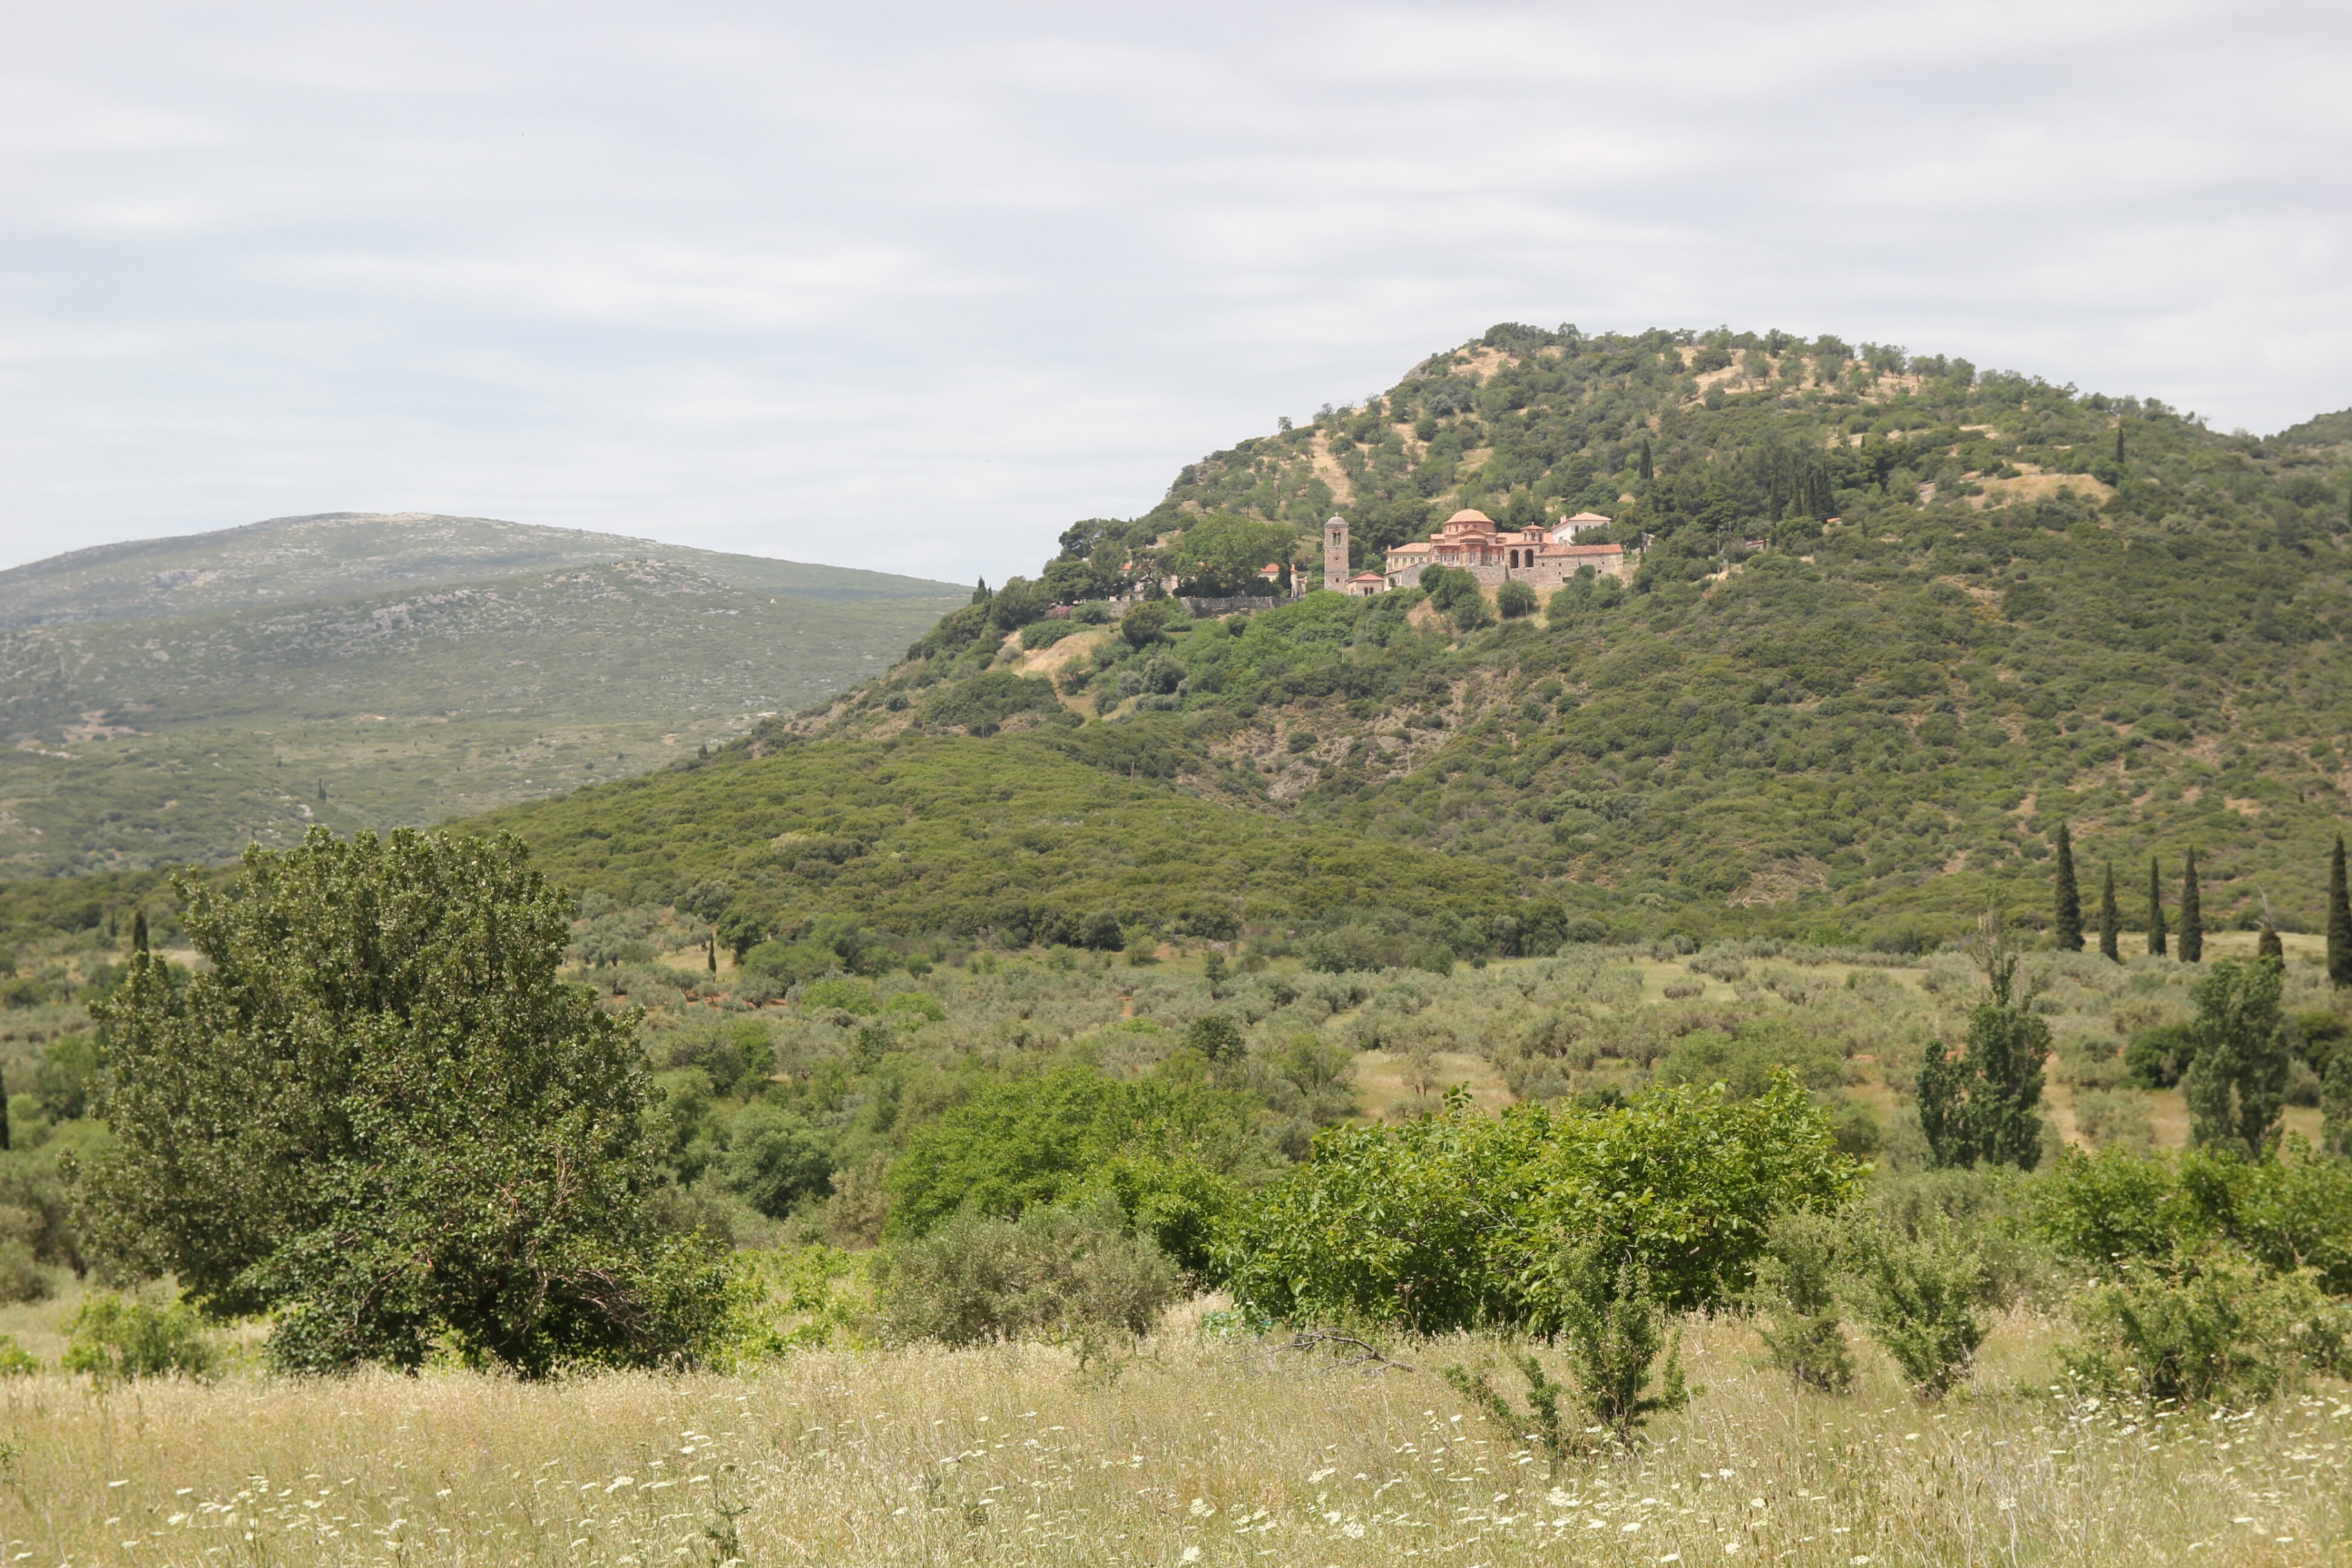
(173, 700)
(1974, 605)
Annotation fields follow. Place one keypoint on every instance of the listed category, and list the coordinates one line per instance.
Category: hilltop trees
(378, 1114)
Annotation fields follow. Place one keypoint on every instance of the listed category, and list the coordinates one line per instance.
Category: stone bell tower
(1335, 555)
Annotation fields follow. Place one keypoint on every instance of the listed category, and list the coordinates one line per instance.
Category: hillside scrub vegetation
(1894, 624)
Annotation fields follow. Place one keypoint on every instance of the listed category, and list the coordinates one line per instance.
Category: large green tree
(2236, 1083)
(376, 1113)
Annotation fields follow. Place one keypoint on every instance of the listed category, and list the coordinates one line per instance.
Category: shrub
(2157, 1057)
(1015, 1145)
(1075, 1276)
(21, 1278)
(1919, 1298)
(1514, 600)
(16, 1361)
(1455, 1221)
(775, 1160)
(1177, 1203)
(1215, 1037)
(2118, 1206)
(1796, 1290)
(1541, 1426)
(2112, 1119)
(791, 963)
(1615, 1327)
(116, 1341)
(2216, 1328)
(1744, 1061)
(842, 995)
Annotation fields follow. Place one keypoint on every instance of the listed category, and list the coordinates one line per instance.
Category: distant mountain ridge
(170, 700)
(320, 555)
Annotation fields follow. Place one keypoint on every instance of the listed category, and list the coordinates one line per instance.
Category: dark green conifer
(4, 1116)
(710, 946)
(980, 595)
(138, 932)
(2156, 932)
(2070, 898)
(2111, 921)
(2119, 444)
(2192, 916)
(2268, 944)
(2339, 920)
(1647, 472)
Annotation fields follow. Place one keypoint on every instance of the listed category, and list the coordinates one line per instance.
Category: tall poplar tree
(2070, 898)
(2193, 915)
(1984, 1106)
(2155, 910)
(2111, 921)
(2236, 1082)
(2339, 920)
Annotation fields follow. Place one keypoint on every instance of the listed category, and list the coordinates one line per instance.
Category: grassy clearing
(1201, 1450)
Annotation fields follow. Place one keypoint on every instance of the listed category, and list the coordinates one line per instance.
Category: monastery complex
(1474, 542)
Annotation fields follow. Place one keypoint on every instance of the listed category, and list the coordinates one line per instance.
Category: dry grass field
(1200, 1449)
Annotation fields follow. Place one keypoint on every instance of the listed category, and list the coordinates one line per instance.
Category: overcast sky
(913, 286)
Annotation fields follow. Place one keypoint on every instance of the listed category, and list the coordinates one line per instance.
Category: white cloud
(913, 284)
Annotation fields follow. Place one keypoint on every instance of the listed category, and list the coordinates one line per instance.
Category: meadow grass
(1199, 1449)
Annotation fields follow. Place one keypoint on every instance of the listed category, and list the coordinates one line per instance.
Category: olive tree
(376, 1112)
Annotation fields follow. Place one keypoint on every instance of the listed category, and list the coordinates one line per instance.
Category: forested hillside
(1894, 620)
(172, 700)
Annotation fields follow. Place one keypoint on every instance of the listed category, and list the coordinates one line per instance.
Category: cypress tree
(2111, 923)
(710, 946)
(2155, 911)
(4, 1144)
(2070, 899)
(1647, 471)
(981, 596)
(2119, 444)
(2339, 920)
(138, 932)
(2193, 915)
